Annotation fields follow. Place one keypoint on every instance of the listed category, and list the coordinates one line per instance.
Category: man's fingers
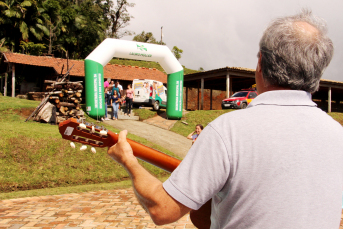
(122, 136)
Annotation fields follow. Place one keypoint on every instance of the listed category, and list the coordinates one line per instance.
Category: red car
(240, 99)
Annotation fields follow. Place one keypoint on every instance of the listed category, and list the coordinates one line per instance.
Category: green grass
(34, 156)
(193, 118)
(337, 116)
(146, 113)
(147, 64)
(204, 117)
(71, 189)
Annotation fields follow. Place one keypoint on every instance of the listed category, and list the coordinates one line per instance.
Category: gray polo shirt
(276, 164)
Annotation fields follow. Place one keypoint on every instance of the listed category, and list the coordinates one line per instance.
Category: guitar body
(88, 134)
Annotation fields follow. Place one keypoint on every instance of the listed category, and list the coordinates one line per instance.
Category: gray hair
(294, 57)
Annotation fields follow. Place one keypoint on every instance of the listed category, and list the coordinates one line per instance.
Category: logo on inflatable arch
(141, 47)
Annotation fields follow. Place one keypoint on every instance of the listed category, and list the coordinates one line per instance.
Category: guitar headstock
(77, 130)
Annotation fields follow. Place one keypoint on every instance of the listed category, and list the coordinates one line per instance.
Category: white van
(149, 93)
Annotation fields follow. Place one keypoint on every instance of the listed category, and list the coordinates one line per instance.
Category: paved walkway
(101, 209)
(171, 141)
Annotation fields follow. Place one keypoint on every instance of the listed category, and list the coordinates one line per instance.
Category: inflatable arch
(109, 48)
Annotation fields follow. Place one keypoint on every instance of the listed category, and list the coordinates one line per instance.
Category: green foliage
(147, 38)
(31, 48)
(21, 20)
(177, 52)
(33, 155)
(68, 28)
(119, 18)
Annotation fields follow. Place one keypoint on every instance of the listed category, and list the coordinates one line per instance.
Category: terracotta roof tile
(113, 71)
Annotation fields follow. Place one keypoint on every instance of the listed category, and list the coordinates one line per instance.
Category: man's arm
(162, 208)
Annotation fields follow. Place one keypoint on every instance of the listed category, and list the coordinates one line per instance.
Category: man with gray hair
(276, 164)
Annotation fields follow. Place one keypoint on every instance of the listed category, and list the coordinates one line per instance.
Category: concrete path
(176, 143)
(101, 209)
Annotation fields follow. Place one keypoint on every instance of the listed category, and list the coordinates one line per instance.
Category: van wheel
(156, 106)
(244, 105)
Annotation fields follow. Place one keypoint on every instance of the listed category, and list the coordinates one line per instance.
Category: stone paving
(100, 209)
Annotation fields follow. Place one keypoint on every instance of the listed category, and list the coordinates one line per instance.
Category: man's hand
(122, 151)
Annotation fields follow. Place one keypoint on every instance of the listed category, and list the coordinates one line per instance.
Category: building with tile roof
(206, 90)
(36, 69)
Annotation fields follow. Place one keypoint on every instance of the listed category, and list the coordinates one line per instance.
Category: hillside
(147, 64)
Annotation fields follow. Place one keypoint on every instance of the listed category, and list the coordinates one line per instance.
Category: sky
(219, 33)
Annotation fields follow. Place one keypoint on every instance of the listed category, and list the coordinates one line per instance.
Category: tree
(19, 19)
(83, 27)
(147, 38)
(177, 52)
(119, 18)
(51, 14)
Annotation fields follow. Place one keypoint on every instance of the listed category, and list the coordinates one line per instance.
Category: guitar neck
(88, 134)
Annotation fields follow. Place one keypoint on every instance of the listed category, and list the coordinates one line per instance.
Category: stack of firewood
(66, 96)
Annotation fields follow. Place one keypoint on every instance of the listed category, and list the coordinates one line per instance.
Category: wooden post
(227, 85)
(202, 94)
(186, 98)
(211, 99)
(5, 88)
(198, 97)
(329, 100)
(13, 80)
(2, 83)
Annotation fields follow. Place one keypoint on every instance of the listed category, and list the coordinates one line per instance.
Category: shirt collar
(284, 98)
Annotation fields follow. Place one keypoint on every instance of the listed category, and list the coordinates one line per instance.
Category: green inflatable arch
(109, 48)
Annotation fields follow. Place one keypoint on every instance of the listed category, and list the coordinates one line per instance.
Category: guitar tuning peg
(103, 132)
(82, 126)
(83, 147)
(93, 150)
(72, 145)
(93, 129)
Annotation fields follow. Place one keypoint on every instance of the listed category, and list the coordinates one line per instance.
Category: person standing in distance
(276, 164)
(107, 83)
(192, 136)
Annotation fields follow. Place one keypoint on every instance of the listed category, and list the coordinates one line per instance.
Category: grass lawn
(35, 160)
(34, 156)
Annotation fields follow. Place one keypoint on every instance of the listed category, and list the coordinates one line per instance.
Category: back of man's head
(295, 51)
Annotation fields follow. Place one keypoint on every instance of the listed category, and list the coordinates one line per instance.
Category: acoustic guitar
(89, 134)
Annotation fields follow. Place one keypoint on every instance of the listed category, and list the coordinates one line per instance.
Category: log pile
(66, 97)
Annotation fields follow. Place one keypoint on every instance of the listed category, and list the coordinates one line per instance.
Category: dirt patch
(24, 112)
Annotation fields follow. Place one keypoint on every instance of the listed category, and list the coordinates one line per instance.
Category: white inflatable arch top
(110, 48)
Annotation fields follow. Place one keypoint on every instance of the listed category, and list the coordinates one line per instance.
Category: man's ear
(259, 62)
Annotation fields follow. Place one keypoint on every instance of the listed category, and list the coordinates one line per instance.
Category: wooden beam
(202, 94)
(186, 98)
(198, 97)
(228, 85)
(2, 83)
(211, 99)
(329, 100)
(5, 88)
(13, 80)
